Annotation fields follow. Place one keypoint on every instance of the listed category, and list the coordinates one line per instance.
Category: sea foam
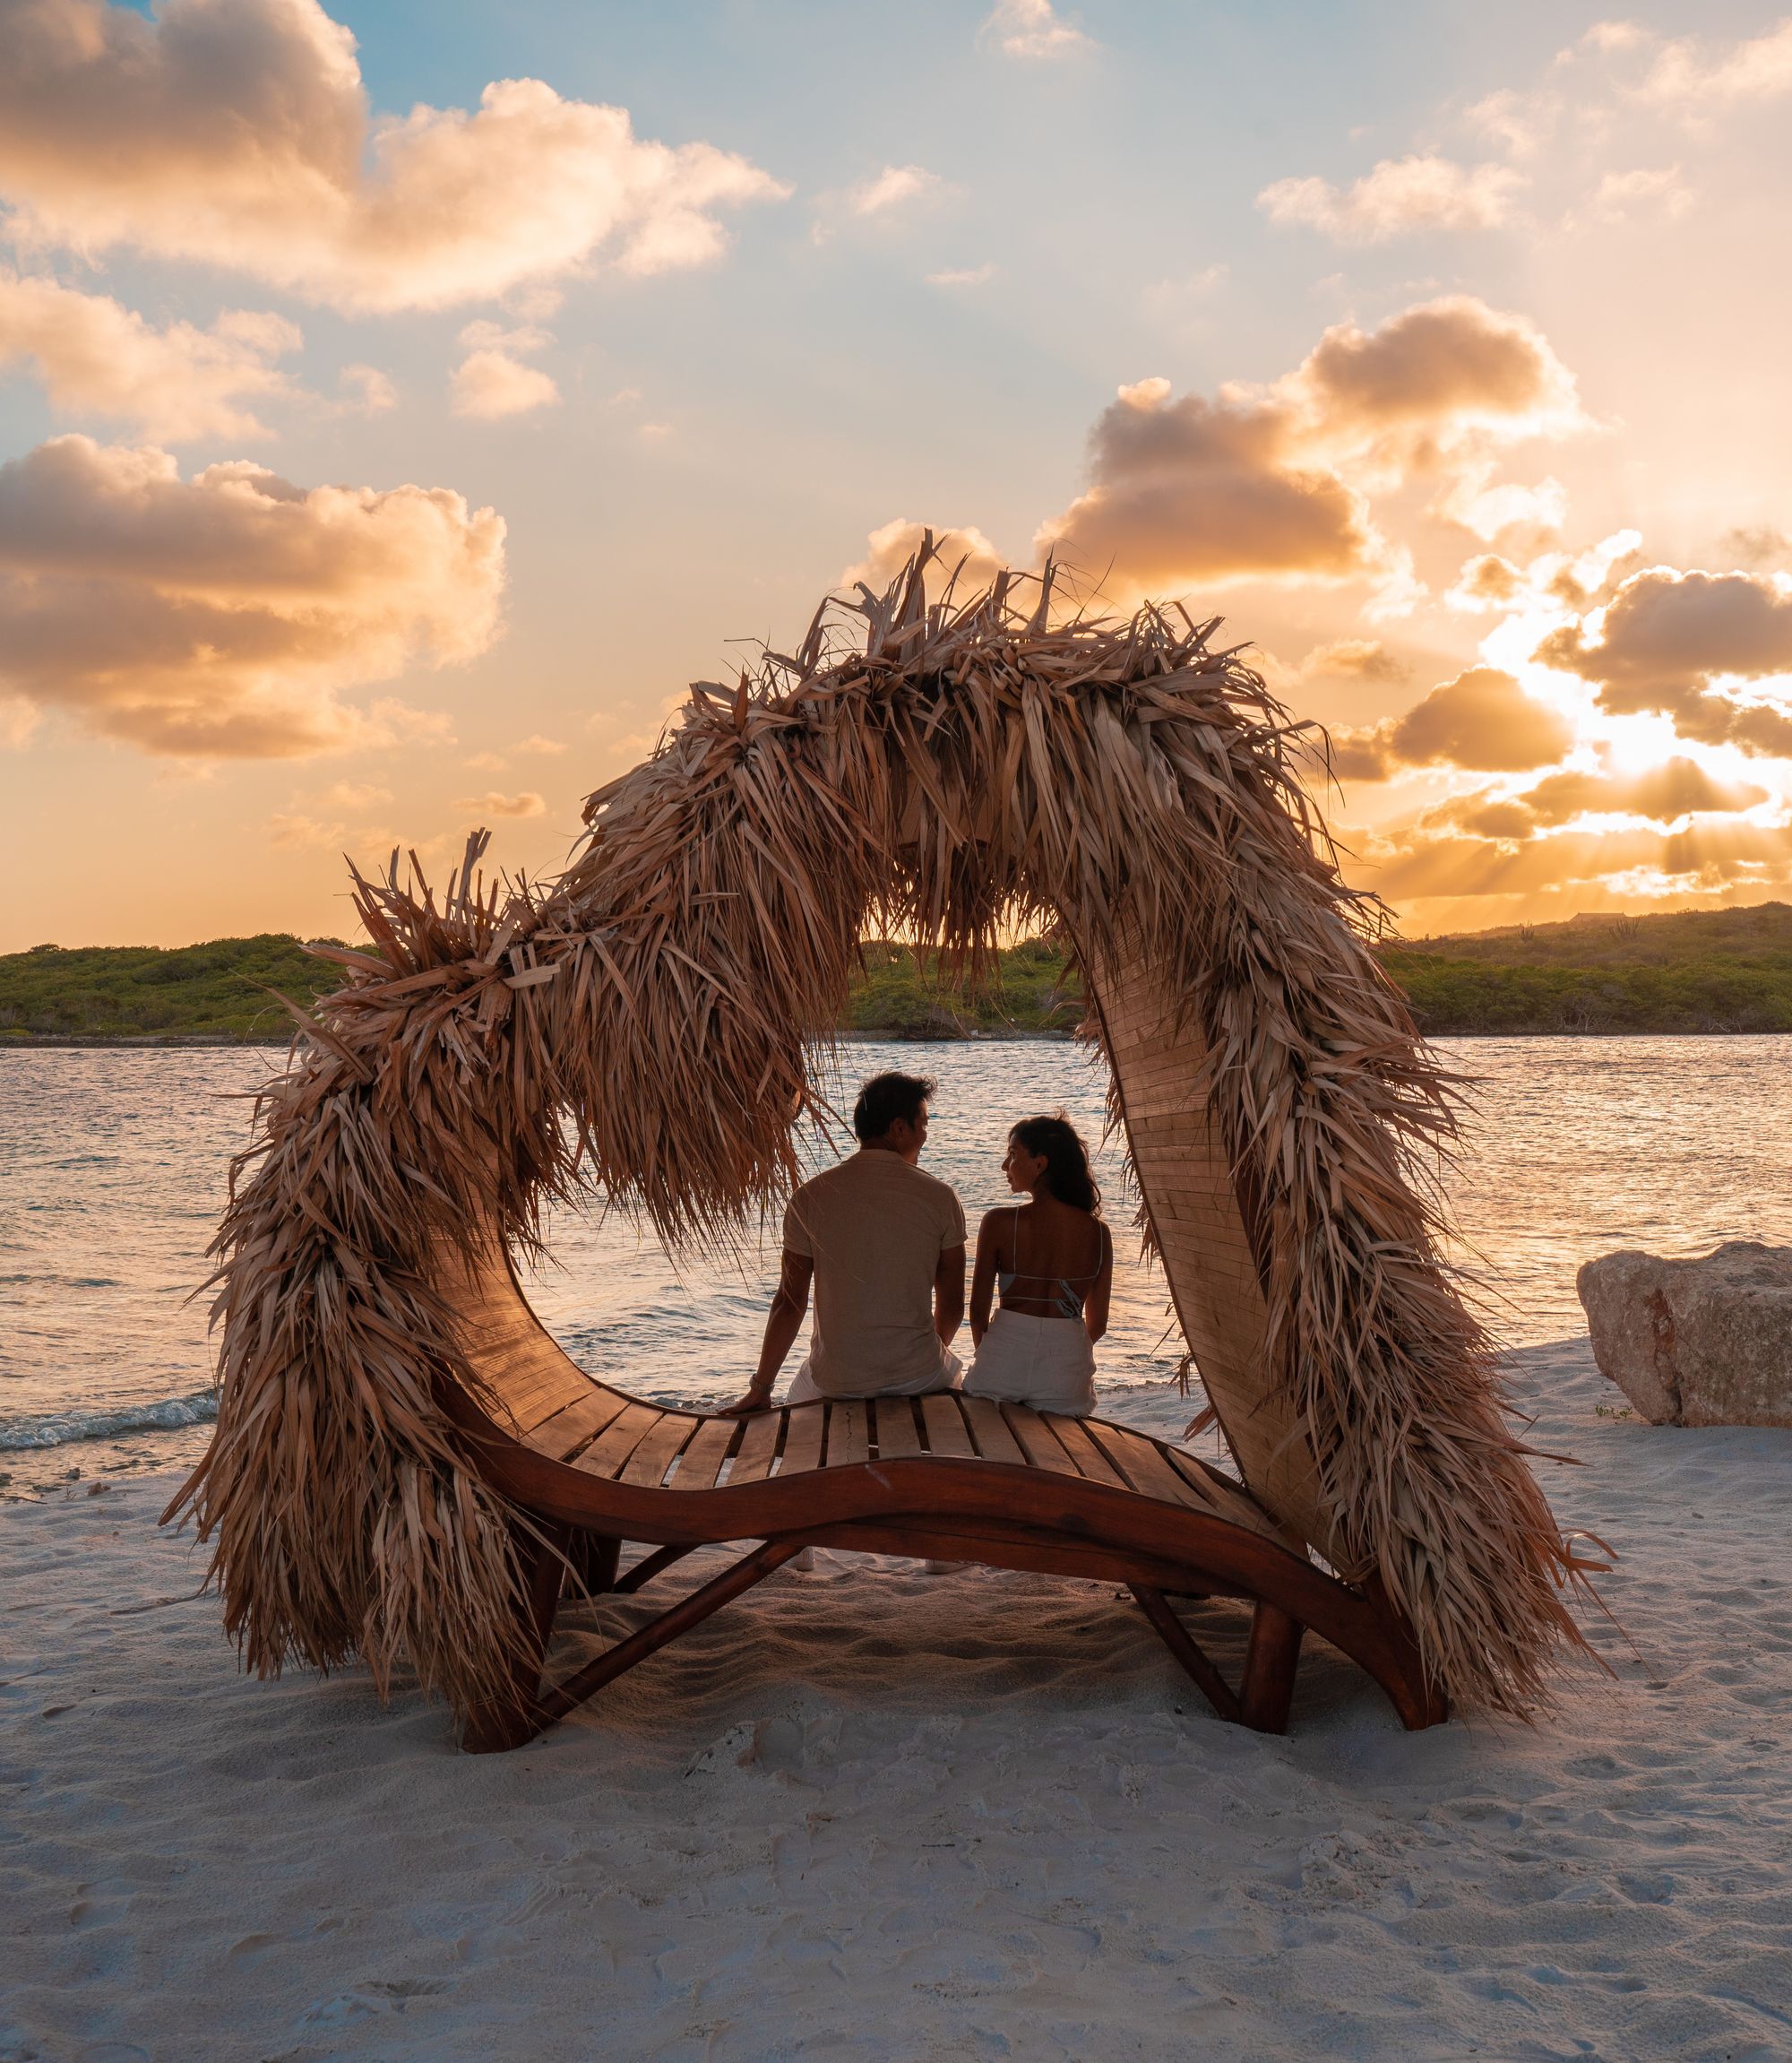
(58, 1428)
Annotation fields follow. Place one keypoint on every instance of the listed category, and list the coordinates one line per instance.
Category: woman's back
(1048, 1257)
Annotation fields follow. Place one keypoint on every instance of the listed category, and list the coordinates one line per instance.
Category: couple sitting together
(883, 1245)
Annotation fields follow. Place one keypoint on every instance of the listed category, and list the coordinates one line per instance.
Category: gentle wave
(58, 1428)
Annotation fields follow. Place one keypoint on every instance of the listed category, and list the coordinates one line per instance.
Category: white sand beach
(868, 1813)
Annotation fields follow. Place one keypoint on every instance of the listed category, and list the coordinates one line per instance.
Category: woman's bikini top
(1062, 1291)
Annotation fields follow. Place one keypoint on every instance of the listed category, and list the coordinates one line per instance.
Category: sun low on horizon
(400, 407)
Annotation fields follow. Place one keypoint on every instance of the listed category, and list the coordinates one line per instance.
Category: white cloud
(890, 198)
(968, 276)
(1033, 29)
(1686, 78)
(366, 390)
(223, 617)
(891, 546)
(237, 133)
(1621, 195)
(1401, 198)
(1486, 507)
(1624, 91)
(895, 187)
(492, 381)
(95, 357)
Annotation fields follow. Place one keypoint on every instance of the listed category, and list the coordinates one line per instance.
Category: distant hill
(217, 989)
(1685, 970)
(1710, 971)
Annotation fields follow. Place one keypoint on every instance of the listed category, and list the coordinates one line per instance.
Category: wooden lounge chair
(644, 1030)
(956, 1478)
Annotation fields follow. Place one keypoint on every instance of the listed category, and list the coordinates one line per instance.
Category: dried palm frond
(648, 1025)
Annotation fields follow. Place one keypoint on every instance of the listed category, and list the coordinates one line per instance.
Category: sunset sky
(399, 405)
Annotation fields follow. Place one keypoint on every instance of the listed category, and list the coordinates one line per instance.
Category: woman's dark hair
(884, 1099)
(1060, 1145)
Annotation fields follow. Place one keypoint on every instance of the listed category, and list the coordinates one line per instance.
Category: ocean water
(113, 1165)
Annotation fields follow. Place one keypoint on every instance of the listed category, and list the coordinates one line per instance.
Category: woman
(1051, 1262)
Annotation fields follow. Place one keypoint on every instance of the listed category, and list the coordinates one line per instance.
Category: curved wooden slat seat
(944, 1477)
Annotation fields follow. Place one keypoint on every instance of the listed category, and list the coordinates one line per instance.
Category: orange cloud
(95, 357)
(1677, 788)
(1273, 483)
(1665, 638)
(1194, 490)
(1482, 719)
(221, 617)
(1354, 658)
(494, 804)
(1666, 632)
(1433, 375)
(237, 133)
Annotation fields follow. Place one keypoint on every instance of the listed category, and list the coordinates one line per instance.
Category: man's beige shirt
(875, 1228)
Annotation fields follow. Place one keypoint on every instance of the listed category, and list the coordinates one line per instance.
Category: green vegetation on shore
(900, 996)
(1686, 970)
(1691, 971)
(217, 989)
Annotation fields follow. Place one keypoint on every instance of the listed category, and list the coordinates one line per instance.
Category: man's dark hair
(884, 1099)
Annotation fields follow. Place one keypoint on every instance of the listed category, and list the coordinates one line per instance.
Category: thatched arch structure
(647, 1022)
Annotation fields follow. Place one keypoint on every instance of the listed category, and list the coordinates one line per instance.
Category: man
(885, 1247)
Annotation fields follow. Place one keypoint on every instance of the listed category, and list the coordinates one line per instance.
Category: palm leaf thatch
(648, 1025)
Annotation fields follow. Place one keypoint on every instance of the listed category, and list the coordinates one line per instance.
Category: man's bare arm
(949, 1293)
(783, 1322)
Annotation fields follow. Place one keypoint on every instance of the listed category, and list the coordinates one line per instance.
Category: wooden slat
(700, 1463)
(551, 1391)
(567, 1433)
(1151, 1475)
(945, 1427)
(648, 1464)
(896, 1433)
(1036, 1436)
(1088, 1458)
(990, 1430)
(619, 1441)
(802, 1438)
(758, 1448)
(848, 1432)
(1228, 1498)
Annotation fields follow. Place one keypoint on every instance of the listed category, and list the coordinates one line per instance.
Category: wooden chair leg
(1269, 1662)
(511, 1719)
(649, 1639)
(593, 1558)
(647, 1567)
(1181, 1643)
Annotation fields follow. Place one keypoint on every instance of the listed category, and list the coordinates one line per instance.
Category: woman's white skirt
(1048, 1363)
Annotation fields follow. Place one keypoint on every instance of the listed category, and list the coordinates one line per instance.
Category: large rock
(1702, 1342)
